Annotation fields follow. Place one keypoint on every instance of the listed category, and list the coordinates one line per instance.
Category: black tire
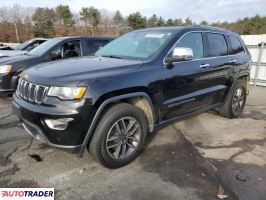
(107, 125)
(227, 109)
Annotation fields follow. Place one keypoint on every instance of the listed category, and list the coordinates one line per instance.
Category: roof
(40, 38)
(82, 37)
(191, 28)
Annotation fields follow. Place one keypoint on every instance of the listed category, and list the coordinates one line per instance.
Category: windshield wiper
(112, 56)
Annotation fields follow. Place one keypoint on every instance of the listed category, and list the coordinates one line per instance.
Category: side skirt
(167, 122)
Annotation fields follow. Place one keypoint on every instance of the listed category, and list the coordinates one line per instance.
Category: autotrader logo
(27, 193)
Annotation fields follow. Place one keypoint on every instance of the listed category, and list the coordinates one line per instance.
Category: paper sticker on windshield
(154, 35)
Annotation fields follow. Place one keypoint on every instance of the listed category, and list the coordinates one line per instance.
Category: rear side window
(236, 45)
(217, 44)
(194, 42)
(95, 45)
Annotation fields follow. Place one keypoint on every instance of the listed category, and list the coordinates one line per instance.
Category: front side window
(236, 45)
(137, 45)
(69, 49)
(194, 42)
(217, 45)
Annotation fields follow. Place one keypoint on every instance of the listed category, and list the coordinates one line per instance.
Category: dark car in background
(21, 48)
(133, 85)
(52, 50)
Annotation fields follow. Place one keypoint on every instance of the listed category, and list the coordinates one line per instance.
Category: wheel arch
(139, 99)
(245, 77)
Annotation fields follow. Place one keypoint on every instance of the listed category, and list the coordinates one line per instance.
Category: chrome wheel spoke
(130, 125)
(114, 145)
(130, 145)
(117, 128)
(123, 151)
(112, 138)
(134, 139)
(241, 98)
(124, 125)
(117, 151)
(133, 130)
(235, 105)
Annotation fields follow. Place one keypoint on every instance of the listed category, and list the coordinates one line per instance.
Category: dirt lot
(186, 160)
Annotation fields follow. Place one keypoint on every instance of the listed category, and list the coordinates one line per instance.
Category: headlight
(4, 69)
(67, 93)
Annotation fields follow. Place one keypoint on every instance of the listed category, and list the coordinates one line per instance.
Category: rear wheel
(235, 103)
(119, 136)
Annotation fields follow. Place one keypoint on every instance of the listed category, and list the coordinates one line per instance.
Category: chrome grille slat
(35, 93)
(23, 89)
(31, 92)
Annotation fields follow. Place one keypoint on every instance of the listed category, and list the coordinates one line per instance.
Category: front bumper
(32, 116)
(37, 133)
(8, 83)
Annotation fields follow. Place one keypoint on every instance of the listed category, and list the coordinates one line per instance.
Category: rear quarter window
(236, 45)
(217, 45)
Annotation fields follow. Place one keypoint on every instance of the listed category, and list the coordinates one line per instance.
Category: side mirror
(55, 55)
(179, 54)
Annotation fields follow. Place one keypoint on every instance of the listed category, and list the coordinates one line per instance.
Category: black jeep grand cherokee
(137, 82)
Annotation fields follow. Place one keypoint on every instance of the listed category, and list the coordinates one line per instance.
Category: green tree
(153, 21)
(178, 22)
(136, 21)
(188, 21)
(91, 16)
(161, 22)
(170, 22)
(118, 18)
(64, 16)
(204, 23)
(43, 19)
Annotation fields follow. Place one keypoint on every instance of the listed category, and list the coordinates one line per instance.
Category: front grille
(31, 92)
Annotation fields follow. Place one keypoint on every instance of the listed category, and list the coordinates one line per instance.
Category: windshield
(21, 47)
(43, 48)
(140, 45)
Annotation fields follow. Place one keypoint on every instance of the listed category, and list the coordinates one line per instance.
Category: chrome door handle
(204, 65)
(232, 61)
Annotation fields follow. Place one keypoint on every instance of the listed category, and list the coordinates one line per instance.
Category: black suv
(139, 81)
(51, 50)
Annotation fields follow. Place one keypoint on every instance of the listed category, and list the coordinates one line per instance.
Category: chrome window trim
(164, 63)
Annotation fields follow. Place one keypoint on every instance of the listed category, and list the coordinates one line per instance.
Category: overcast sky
(198, 10)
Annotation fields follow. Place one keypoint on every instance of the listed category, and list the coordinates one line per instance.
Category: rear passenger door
(239, 58)
(219, 65)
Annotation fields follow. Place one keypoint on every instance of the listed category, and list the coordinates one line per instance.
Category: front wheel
(235, 103)
(119, 136)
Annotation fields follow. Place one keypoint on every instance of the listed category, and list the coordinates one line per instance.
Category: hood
(11, 53)
(78, 69)
(6, 48)
(15, 59)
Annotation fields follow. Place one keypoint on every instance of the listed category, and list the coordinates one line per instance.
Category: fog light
(58, 124)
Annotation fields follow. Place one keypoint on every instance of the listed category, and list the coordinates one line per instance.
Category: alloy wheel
(238, 100)
(123, 138)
